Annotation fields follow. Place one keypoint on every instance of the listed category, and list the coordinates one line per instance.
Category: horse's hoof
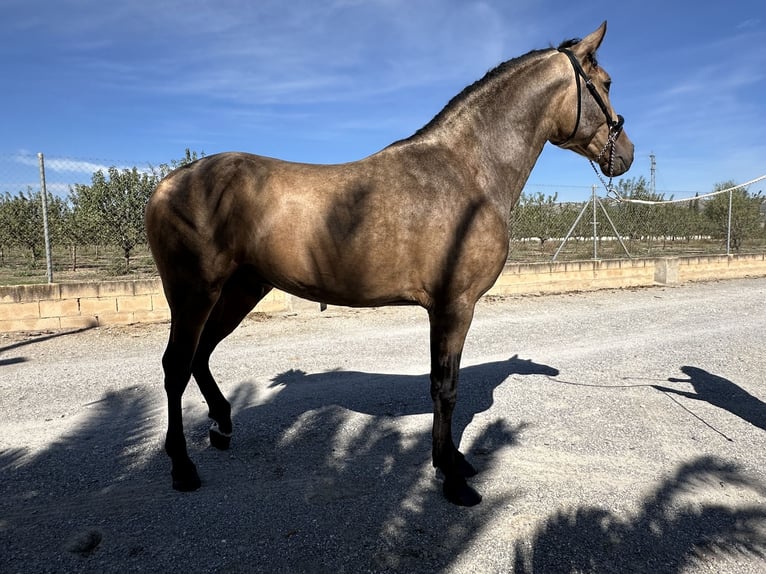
(465, 469)
(219, 440)
(187, 484)
(457, 491)
(456, 465)
(187, 480)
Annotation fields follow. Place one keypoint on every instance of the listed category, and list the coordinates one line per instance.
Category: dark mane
(495, 72)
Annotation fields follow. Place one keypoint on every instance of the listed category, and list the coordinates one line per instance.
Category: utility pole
(652, 174)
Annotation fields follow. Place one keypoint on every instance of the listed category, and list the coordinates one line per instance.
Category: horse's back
(362, 233)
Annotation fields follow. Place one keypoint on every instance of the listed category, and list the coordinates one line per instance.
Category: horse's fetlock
(220, 438)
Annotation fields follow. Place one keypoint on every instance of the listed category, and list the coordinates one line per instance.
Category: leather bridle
(615, 126)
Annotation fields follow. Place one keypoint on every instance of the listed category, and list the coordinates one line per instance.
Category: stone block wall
(82, 305)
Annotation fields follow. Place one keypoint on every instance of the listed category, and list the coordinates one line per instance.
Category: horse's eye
(607, 85)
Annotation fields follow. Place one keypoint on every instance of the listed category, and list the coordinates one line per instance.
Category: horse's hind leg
(187, 320)
(237, 299)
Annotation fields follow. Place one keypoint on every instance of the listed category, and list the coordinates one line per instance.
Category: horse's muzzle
(621, 160)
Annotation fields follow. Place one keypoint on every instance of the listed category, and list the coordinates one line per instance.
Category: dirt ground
(615, 431)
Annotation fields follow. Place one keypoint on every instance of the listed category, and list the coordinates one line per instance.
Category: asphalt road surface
(615, 431)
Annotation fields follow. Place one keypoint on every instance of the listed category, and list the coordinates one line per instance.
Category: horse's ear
(586, 48)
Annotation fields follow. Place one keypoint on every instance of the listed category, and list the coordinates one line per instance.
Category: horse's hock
(84, 305)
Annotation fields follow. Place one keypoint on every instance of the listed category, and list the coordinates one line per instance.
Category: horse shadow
(350, 452)
(665, 536)
(721, 393)
(391, 395)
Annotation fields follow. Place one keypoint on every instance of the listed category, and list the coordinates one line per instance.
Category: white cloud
(749, 24)
(271, 52)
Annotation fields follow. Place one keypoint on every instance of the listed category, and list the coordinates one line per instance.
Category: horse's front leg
(448, 330)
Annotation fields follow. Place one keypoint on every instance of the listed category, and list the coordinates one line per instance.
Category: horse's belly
(349, 277)
(349, 283)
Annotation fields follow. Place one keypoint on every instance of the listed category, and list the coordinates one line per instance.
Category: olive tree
(538, 216)
(745, 214)
(76, 225)
(23, 221)
(115, 202)
(189, 157)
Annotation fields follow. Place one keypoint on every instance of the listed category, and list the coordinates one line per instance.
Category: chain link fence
(70, 219)
(635, 223)
(95, 231)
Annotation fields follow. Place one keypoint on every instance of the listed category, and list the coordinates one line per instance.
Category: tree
(693, 221)
(23, 215)
(189, 157)
(76, 225)
(639, 221)
(6, 239)
(537, 216)
(115, 202)
(745, 214)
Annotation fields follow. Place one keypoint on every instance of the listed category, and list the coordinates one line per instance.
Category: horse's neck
(500, 130)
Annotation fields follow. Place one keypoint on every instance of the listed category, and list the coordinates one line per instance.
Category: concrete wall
(79, 305)
(519, 278)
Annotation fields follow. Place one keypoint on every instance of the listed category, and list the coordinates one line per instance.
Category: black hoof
(458, 492)
(186, 480)
(465, 469)
(456, 465)
(219, 440)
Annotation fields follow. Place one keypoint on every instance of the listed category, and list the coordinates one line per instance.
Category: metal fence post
(595, 224)
(44, 196)
(728, 226)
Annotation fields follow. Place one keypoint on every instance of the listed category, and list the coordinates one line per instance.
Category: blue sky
(137, 82)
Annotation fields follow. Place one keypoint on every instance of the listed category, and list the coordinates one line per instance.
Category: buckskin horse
(422, 222)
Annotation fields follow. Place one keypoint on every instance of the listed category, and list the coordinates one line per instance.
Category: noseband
(615, 126)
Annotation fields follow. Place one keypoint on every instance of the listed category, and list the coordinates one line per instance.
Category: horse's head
(586, 122)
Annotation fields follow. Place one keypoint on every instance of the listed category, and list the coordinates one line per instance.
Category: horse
(422, 222)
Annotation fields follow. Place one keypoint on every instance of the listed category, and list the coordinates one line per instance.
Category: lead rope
(610, 142)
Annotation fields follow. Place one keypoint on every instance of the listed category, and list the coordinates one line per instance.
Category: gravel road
(614, 431)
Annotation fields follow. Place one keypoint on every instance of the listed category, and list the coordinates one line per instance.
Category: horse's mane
(497, 71)
(456, 101)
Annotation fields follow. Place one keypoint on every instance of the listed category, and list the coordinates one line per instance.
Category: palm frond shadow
(664, 537)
